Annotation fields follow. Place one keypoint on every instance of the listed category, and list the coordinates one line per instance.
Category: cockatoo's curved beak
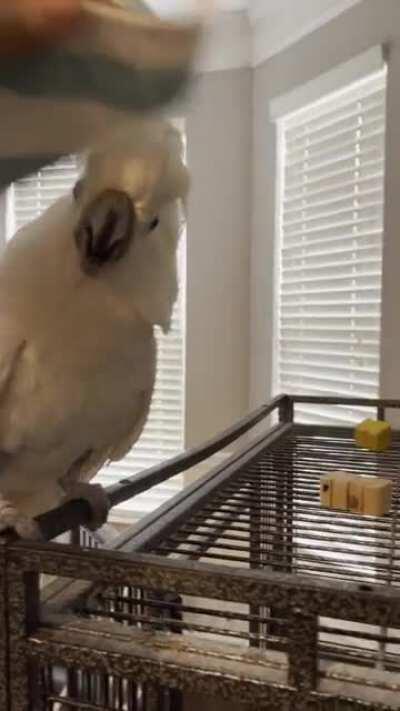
(105, 230)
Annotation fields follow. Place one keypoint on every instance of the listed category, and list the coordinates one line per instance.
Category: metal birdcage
(240, 593)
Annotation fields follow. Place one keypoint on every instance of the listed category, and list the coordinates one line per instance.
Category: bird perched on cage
(81, 290)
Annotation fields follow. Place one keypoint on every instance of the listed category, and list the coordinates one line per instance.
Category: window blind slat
(322, 279)
(298, 303)
(332, 112)
(299, 386)
(349, 267)
(317, 257)
(343, 136)
(361, 143)
(308, 215)
(300, 339)
(294, 349)
(348, 169)
(341, 417)
(339, 201)
(358, 237)
(338, 227)
(342, 190)
(330, 264)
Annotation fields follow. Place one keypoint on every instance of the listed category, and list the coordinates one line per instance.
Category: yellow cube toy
(374, 435)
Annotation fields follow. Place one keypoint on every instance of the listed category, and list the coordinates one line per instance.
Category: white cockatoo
(81, 290)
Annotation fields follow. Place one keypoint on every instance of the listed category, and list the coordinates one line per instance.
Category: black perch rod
(77, 513)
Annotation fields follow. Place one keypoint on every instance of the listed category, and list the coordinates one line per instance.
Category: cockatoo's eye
(154, 224)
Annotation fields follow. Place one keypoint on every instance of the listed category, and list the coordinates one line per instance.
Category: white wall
(218, 270)
(281, 23)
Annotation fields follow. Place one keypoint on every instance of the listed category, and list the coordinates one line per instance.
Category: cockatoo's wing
(10, 353)
(125, 445)
(90, 465)
(12, 347)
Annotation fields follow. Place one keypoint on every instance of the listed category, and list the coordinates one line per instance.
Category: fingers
(42, 16)
(27, 24)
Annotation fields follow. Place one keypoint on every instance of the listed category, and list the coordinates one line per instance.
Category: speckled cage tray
(241, 591)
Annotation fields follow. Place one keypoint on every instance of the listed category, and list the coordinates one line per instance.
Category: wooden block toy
(377, 497)
(335, 490)
(356, 495)
(369, 496)
(374, 435)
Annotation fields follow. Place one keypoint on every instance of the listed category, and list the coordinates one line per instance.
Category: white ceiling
(257, 9)
(274, 25)
(171, 7)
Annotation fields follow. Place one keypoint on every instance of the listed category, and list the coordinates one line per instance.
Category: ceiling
(274, 25)
(170, 7)
(257, 9)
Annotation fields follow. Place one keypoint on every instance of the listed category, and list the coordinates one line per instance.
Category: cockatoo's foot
(11, 518)
(97, 499)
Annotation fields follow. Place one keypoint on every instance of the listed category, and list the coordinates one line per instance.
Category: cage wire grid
(268, 516)
(260, 512)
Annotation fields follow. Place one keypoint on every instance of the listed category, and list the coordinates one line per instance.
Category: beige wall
(367, 24)
(218, 265)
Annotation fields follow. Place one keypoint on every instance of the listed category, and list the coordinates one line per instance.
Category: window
(332, 156)
(31, 196)
(163, 436)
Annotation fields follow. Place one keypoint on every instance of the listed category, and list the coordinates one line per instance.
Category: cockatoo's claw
(11, 518)
(97, 499)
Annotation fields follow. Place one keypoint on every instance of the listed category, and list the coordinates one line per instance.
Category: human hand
(26, 25)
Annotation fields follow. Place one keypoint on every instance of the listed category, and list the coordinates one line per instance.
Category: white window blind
(163, 436)
(332, 163)
(28, 198)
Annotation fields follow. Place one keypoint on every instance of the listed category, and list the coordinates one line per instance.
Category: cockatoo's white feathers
(81, 290)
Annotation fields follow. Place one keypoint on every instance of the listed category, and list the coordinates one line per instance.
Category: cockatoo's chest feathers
(80, 377)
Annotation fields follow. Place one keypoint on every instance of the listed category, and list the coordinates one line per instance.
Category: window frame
(284, 122)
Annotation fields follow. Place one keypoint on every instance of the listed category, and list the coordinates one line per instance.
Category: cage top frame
(77, 513)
